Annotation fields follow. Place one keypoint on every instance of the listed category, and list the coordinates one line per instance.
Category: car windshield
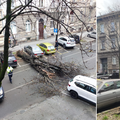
(36, 49)
(51, 47)
(99, 84)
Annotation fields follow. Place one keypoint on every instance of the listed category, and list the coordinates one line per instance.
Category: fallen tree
(53, 72)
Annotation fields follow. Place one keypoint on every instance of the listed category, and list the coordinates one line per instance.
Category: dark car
(76, 37)
(1, 94)
(12, 61)
(108, 92)
(33, 50)
(114, 76)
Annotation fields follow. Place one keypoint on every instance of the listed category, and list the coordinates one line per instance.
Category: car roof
(66, 37)
(88, 80)
(47, 44)
(33, 45)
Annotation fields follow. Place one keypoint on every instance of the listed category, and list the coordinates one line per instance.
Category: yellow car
(47, 48)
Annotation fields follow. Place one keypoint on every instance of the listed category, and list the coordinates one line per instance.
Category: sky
(102, 5)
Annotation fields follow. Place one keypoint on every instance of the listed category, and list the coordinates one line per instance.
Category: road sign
(55, 30)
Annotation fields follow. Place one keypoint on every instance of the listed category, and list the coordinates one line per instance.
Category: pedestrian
(10, 73)
(56, 45)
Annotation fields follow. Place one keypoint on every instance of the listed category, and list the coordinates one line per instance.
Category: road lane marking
(19, 71)
(24, 65)
(71, 55)
(19, 65)
(19, 87)
(90, 58)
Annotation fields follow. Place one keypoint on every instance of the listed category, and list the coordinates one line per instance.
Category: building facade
(39, 26)
(108, 42)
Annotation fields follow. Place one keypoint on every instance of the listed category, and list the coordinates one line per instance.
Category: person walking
(56, 45)
(10, 73)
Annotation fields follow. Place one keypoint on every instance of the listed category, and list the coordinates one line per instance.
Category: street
(24, 92)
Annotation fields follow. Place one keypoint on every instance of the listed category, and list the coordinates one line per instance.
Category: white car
(92, 35)
(84, 87)
(67, 42)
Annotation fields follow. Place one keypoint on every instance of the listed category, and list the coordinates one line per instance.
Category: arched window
(13, 27)
(28, 26)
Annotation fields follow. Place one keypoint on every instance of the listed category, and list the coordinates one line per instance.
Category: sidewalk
(51, 39)
(56, 108)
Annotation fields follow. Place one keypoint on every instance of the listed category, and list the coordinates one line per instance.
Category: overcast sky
(102, 5)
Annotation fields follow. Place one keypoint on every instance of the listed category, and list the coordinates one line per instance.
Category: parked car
(76, 38)
(33, 50)
(108, 92)
(84, 87)
(12, 61)
(92, 34)
(114, 76)
(1, 94)
(66, 42)
(47, 48)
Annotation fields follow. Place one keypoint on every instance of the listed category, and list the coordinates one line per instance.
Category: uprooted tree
(63, 7)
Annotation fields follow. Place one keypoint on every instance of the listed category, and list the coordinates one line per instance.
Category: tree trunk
(6, 38)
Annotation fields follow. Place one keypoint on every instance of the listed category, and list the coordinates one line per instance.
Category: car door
(85, 93)
(106, 94)
(91, 93)
(117, 87)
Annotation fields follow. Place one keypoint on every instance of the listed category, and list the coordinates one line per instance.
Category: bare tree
(63, 8)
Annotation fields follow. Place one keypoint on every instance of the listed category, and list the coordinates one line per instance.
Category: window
(113, 42)
(90, 89)
(72, 18)
(81, 85)
(51, 24)
(114, 60)
(117, 84)
(102, 28)
(107, 86)
(53, 4)
(102, 44)
(13, 27)
(27, 1)
(41, 3)
(12, 4)
(112, 26)
(28, 26)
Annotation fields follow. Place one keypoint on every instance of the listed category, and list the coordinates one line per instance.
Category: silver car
(33, 50)
(1, 94)
(108, 92)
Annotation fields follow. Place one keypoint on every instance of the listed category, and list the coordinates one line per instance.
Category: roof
(48, 44)
(113, 13)
(88, 80)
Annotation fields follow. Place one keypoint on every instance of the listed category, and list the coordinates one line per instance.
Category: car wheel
(64, 46)
(44, 52)
(88, 35)
(74, 94)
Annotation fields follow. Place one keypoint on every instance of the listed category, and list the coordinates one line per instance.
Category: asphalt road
(24, 93)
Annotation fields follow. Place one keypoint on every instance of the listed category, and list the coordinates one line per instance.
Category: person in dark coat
(56, 45)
